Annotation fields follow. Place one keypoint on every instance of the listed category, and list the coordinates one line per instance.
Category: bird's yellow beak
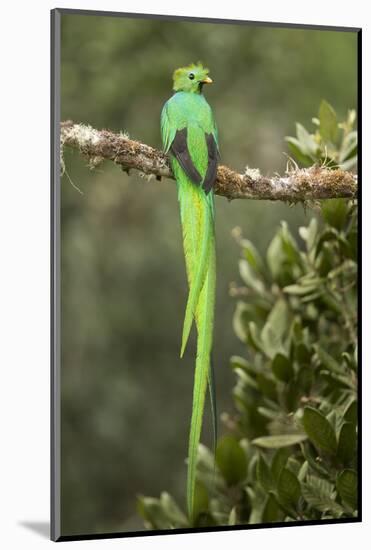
(207, 80)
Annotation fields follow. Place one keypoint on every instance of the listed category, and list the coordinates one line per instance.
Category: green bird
(190, 136)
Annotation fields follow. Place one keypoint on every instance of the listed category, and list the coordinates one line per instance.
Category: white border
(24, 240)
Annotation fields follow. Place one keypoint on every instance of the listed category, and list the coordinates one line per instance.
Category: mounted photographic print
(205, 182)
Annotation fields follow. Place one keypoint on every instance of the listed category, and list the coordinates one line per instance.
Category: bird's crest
(192, 67)
(191, 77)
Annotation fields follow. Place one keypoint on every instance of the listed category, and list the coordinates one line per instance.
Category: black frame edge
(170, 17)
(359, 268)
(188, 530)
(55, 44)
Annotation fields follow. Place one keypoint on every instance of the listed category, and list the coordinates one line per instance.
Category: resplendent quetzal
(189, 135)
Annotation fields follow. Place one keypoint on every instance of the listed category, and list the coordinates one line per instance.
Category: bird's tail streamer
(197, 217)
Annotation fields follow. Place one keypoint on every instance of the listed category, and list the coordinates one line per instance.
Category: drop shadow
(42, 528)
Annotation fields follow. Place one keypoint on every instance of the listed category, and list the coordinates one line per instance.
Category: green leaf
(201, 500)
(299, 290)
(349, 147)
(231, 460)
(335, 212)
(346, 485)
(232, 519)
(264, 475)
(302, 474)
(237, 362)
(275, 256)
(272, 511)
(253, 337)
(257, 500)
(271, 342)
(243, 314)
(278, 317)
(267, 413)
(297, 330)
(319, 430)
(328, 126)
(153, 513)
(348, 164)
(289, 244)
(311, 280)
(279, 461)
(291, 395)
(252, 256)
(348, 267)
(251, 279)
(289, 490)
(296, 149)
(246, 378)
(351, 413)
(309, 234)
(305, 379)
(267, 386)
(306, 140)
(320, 494)
(328, 234)
(207, 473)
(313, 460)
(303, 354)
(327, 361)
(347, 442)
(349, 361)
(278, 441)
(333, 303)
(172, 511)
(293, 464)
(282, 368)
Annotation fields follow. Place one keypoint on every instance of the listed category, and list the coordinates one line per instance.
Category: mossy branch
(307, 184)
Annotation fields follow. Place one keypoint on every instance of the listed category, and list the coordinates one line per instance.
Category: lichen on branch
(297, 185)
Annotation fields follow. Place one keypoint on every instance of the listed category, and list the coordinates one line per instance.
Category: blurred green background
(126, 395)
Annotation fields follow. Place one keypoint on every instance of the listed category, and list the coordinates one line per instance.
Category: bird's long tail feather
(201, 258)
(212, 395)
(197, 216)
(204, 321)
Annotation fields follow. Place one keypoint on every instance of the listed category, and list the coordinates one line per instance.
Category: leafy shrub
(290, 449)
(332, 143)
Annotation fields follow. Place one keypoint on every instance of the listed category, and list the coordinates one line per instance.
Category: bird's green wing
(168, 129)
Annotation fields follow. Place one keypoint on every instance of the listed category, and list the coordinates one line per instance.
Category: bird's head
(191, 78)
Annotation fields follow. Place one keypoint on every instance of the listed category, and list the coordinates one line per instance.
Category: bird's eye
(191, 76)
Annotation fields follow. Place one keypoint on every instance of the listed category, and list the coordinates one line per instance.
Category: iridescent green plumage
(189, 135)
